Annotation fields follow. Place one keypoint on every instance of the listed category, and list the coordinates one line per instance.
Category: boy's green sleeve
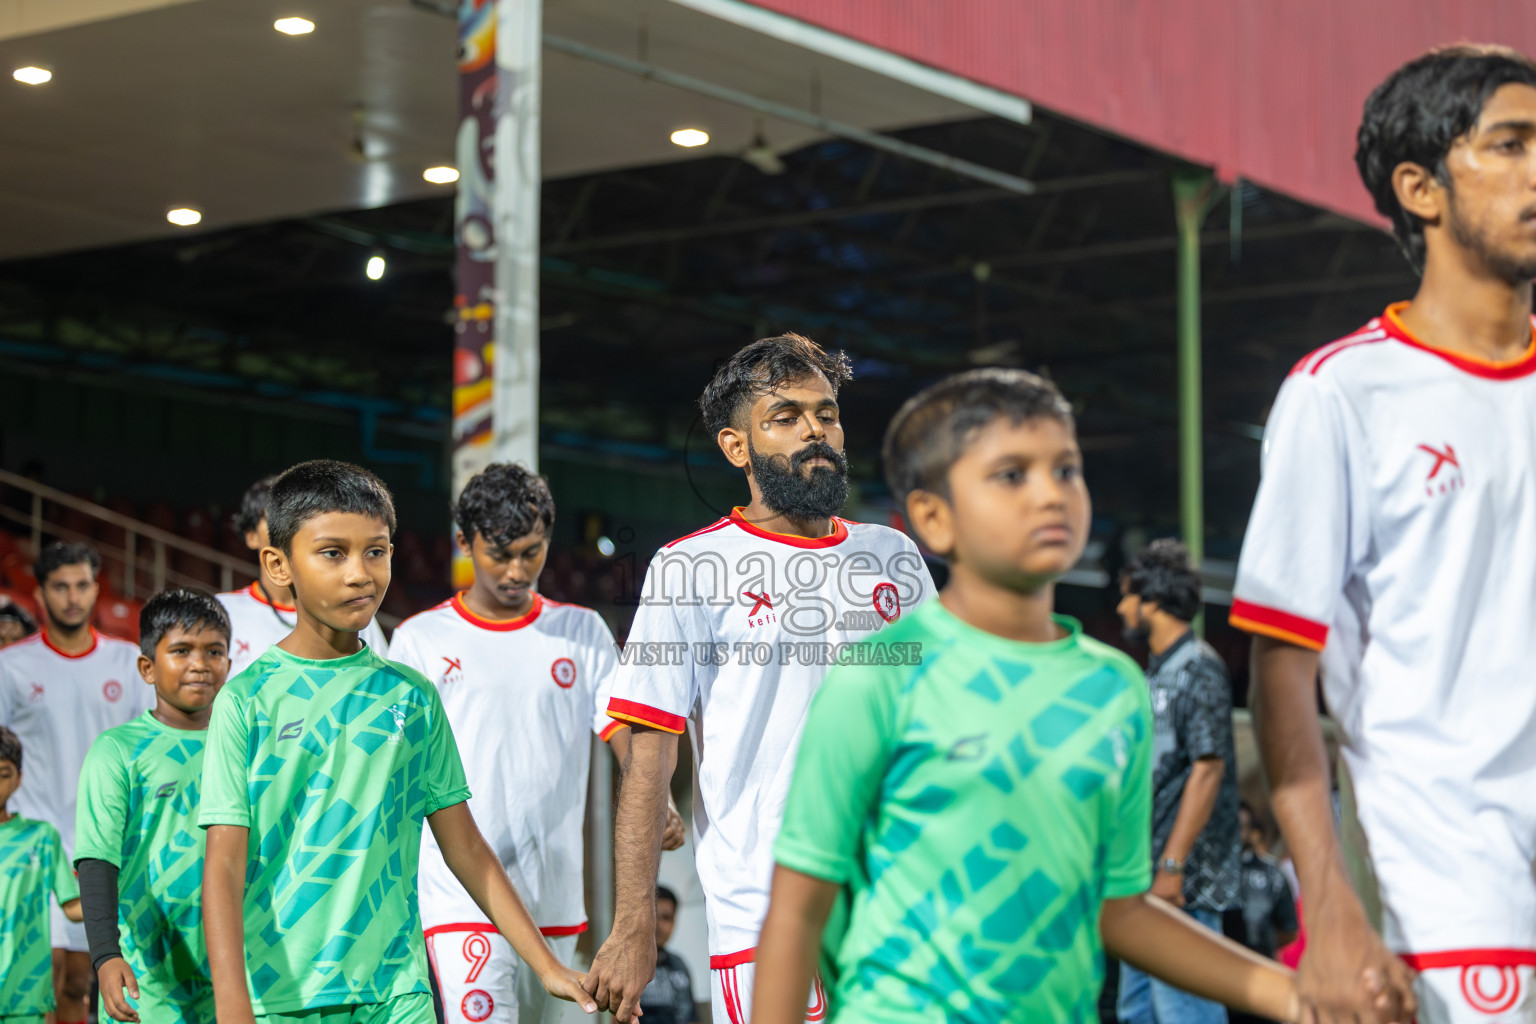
(225, 796)
(849, 732)
(446, 784)
(101, 812)
(65, 886)
(1128, 860)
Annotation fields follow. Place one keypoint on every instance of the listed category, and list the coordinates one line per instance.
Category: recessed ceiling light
(441, 175)
(375, 268)
(32, 76)
(689, 137)
(294, 26)
(183, 216)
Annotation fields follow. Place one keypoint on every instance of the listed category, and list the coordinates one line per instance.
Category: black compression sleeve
(98, 902)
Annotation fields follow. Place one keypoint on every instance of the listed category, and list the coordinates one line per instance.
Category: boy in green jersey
(987, 811)
(32, 865)
(323, 759)
(138, 849)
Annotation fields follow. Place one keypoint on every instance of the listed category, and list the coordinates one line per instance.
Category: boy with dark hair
(59, 689)
(1389, 546)
(262, 613)
(323, 759)
(503, 656)
(668, 999)
(1269, 910)
(138, 850)
(1195, 841)
(988, 809)
(15, 622)
(32, 865)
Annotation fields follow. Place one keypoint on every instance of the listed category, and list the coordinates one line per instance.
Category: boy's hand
(1347, 972)
(564, 983)
(674, 835)
(114, 976)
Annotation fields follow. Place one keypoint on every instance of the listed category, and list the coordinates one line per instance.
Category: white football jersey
(57, 704)
(1395, 531)
(736, 627)
(255, 624)
(524, 696)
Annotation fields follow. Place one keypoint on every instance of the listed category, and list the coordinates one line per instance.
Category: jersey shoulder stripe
(720, 524)
(1313, 361)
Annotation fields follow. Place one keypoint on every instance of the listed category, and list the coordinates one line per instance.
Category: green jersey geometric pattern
(32, 866)
(978, 809)
(332, 765)
(137, 810)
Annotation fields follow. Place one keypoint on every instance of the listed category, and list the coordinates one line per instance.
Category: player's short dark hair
(935, 426)
(762, 366)
(59, 554)
(10, 747)
(253, 505)
(188, 609)
(663, 893)
(1419, 112)
(11, 610)
(504, 502)
(320, 486)
(1161, 573)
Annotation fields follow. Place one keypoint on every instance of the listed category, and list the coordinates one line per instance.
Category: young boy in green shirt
(32, 865)
(323, 759)
(138, 849)
(987, 811)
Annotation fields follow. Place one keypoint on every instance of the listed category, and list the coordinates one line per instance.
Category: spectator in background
(668, 999)
(1195, 840)
(1269, 913)
(15, 623)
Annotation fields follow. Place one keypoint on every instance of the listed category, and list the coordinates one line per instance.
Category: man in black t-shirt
(1269, 912)
(668, 999)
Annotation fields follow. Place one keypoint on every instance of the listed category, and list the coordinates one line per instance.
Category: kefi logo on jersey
(477, 1005)
(112, 690)
(36, 695)
(292, 731)
(563, 672)
(886, 601)
(166, 790)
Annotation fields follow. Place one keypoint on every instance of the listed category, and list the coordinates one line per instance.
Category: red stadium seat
(119, 616)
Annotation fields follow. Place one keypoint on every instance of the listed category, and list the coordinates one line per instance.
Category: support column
(1192, 189)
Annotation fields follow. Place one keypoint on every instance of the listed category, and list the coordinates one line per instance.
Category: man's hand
(622, 969)
(674, 835)
(1168, 886)
(1347, 972)
(114, 976)
(564, 983)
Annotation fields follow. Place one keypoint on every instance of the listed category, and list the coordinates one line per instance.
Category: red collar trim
(95, 640)
(1522, 366)
(498, 625)
(837, 536)
(255, 592)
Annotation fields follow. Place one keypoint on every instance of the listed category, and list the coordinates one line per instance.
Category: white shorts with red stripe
(1476, 986)
(482, 980)
(730, 990)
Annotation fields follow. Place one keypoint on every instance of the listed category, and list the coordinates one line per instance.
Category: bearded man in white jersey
(60, 688)
(525, 683)
(1393, 545)
(738, 623)
(263, 613)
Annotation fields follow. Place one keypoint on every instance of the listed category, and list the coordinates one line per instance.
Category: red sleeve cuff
(636, 713)
(1272, 622)
(610, 729)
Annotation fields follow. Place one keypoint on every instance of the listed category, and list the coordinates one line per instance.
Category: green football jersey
(138, 811)
(32, 865)
(978, 808)
(332, 765)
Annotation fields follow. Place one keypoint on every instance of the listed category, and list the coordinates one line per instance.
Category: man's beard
(1472, 237)
(61, 625)
(818, 495)
(1138, 634)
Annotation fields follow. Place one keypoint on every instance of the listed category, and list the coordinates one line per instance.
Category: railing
(137, 537)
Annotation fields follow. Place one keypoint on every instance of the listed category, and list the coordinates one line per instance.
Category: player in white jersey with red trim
(263, 613)
(525, 683)
(1393, 542)
(59, 689)
(737, 625)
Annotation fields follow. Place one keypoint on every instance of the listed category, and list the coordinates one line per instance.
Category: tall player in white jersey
(1393, 542)
(60, 688)
(525, 682)
(737, 625)
(263, 613)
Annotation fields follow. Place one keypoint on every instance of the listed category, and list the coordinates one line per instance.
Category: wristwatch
(1172, 866)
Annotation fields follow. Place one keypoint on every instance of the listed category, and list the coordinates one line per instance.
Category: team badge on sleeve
(564, 673)
(477, 1005)
(886, 602)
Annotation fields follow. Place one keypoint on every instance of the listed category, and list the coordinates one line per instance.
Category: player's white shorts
(481, 979)
(730, 993)
(66, 934)
(1476, 986)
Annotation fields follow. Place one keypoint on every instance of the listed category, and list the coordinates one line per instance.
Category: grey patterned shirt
(1192, 716)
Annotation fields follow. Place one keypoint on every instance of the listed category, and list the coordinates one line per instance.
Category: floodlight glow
(294, 26)
(183, 216)
(441, 175)
(375, 269)
(689, 137)
(604, 546)
(32, 76)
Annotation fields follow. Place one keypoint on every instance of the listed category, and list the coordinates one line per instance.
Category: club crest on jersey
(477, 1005)
(887, 603)
(757, 616)
(563, 671)
(1490, 989)
(112, 690)
(1444, 472)
(453, 671)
